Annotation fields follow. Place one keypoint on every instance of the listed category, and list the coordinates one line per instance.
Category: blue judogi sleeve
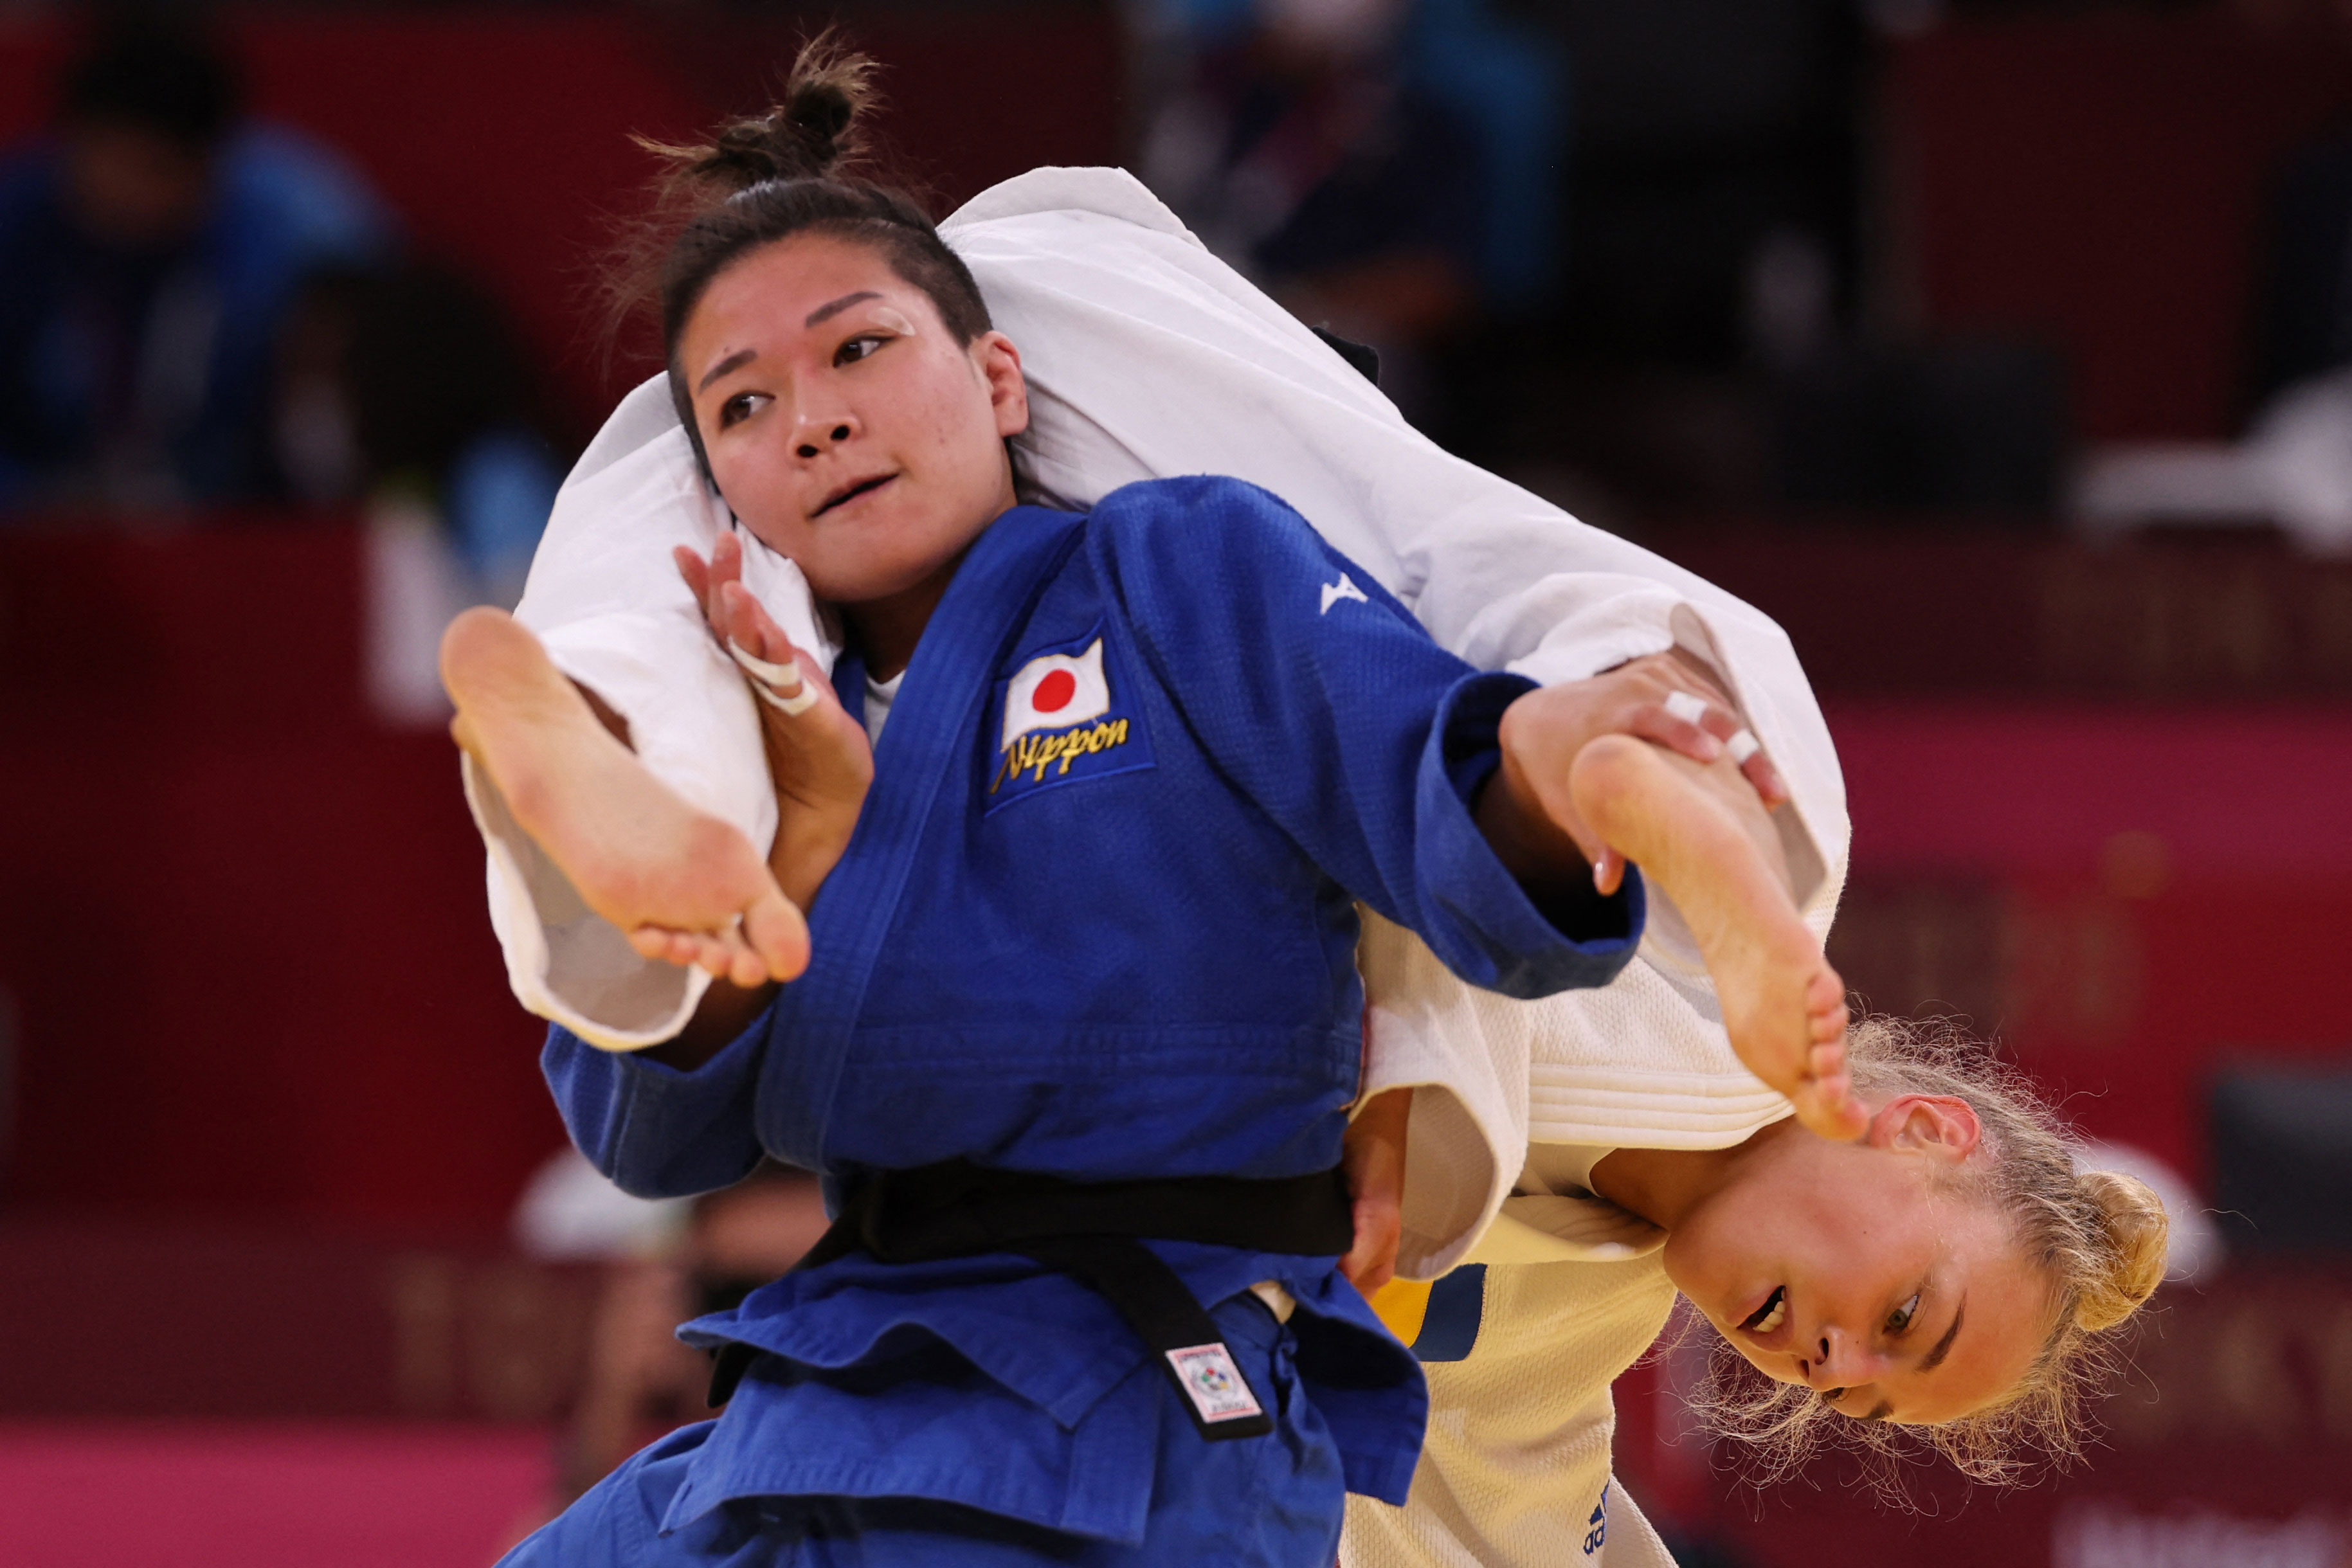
(656, 1131)
(1325, 702)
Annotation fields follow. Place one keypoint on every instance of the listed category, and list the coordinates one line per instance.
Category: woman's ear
(1943, 1128)
(1008, 389)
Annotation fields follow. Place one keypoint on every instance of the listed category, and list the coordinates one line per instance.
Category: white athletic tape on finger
(1742, 746)
(769, 681)
(797, 704)
(786, 676)
(1686, 707)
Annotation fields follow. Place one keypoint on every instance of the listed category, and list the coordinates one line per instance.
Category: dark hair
(160, 78)
(791, 171)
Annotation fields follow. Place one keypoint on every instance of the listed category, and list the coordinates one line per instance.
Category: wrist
(808, 845)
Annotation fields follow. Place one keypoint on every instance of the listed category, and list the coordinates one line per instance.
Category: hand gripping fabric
(780, 687)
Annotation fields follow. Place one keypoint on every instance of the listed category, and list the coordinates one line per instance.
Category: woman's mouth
(850, 493)
(1770, 1315)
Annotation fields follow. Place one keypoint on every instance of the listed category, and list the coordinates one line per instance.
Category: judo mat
(93, 1494)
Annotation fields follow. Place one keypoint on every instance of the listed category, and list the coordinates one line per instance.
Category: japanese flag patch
(1063, 713)
(1213, 1383)
(1053, 691)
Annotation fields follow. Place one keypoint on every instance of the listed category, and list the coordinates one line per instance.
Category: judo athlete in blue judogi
(1097, 923)
(1080, 1023)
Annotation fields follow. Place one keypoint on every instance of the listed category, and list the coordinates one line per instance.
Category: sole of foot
(1783, 1005)
(637, 851)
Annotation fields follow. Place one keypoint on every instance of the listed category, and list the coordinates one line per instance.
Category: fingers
(1677, 731)
(707, 579)
(1770, 787)
(726, 566)
(745, 620)
(1703, 729)
(1371, 1262)
(696, 575)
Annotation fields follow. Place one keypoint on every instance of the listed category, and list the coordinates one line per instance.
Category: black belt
(1094, 1231)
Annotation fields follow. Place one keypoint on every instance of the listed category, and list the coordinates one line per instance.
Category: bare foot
(678, 880)
(1783, 1006)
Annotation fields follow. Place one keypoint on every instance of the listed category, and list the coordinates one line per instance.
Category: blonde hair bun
(2138, 1232)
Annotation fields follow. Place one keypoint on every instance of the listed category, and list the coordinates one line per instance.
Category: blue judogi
(1096, 923)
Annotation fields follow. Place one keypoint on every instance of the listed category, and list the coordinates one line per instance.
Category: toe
(774, 930)
(1827, 1106)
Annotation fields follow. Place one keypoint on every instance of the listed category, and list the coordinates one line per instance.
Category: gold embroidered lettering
(1033, 754)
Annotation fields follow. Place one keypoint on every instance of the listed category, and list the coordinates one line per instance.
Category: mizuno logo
(1344, 588)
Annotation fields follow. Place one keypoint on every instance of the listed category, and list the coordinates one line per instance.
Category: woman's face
(1858, 1270)
(845, 425)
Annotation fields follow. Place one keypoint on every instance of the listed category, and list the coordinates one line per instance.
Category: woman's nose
(818, 431)
(1835, 1360)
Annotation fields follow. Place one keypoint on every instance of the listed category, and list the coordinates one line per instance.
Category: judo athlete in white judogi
(1146, 357)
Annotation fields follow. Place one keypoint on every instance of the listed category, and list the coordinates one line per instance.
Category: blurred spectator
(403, 392)
(1962, 426)
(404, 387)
(1381, 166)
(2305, 323)
(666, 1262)
(1715, 171)
(2292, 468)
(150, 246)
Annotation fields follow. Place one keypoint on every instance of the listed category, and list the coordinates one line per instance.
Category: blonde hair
(2097, 1236)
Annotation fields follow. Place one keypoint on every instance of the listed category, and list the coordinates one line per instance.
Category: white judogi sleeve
(1146, 357)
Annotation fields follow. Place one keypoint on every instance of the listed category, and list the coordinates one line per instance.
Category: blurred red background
(273, 1105)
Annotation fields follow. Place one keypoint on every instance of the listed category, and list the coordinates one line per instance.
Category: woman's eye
(1900, 1318)
(739, 407)
(857, 348)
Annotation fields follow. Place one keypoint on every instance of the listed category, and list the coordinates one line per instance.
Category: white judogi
(1146, 357)
(1515, 1471)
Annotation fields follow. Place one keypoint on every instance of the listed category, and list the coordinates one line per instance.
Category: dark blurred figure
(1383, 167)
(1709, 351)
(149, 246)
(2305, 327)
(1714, 155)
(641, 1382)
(405, 387)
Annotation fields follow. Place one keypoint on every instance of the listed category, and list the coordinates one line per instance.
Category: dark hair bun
(812, 134)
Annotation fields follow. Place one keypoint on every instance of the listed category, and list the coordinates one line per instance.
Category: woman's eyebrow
(734, 361)
(823, 312)
(1934, 1358)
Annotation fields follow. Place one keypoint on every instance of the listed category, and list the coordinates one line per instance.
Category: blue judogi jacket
(1097, 921)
